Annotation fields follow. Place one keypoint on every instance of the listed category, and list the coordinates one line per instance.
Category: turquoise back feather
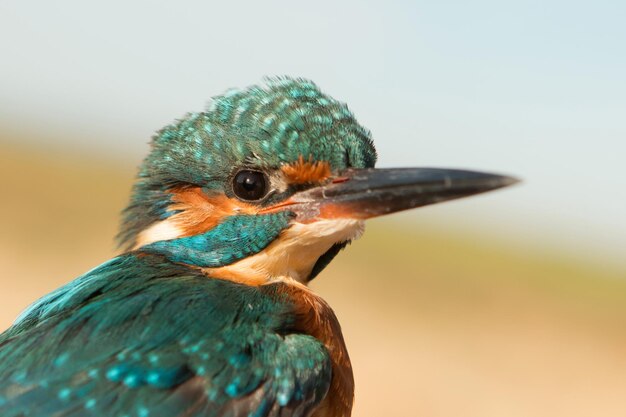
(140, 336)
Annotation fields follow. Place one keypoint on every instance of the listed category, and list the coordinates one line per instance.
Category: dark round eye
(250, 185)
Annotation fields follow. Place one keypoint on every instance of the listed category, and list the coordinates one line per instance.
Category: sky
(535, 89)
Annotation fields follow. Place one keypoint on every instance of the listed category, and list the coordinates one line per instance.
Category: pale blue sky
(532, 88)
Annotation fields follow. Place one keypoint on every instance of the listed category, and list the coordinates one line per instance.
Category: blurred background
(512, 303)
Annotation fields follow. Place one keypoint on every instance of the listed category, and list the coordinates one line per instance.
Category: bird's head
(270, 183)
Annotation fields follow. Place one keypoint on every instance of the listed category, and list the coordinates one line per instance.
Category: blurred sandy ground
(437, 324)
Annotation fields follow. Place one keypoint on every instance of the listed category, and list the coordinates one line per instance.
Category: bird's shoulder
(142, 335)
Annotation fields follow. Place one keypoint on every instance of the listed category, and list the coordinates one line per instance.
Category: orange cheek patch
(199, 212)
(306, 172)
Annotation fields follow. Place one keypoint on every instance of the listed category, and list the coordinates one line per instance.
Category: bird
(207, 310)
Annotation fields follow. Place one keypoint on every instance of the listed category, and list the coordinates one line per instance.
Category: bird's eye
(250, 185)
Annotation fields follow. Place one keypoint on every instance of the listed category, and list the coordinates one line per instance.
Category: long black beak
(365, 193)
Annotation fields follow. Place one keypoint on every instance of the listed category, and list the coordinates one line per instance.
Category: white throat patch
(293, 254)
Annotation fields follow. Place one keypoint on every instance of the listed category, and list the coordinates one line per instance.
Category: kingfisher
(207, 312)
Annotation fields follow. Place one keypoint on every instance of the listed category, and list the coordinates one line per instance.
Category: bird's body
(142, 336)
(234, 211)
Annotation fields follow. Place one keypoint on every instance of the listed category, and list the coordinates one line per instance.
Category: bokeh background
(512, 303)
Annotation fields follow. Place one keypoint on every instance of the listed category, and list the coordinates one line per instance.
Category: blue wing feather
(140, 336)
